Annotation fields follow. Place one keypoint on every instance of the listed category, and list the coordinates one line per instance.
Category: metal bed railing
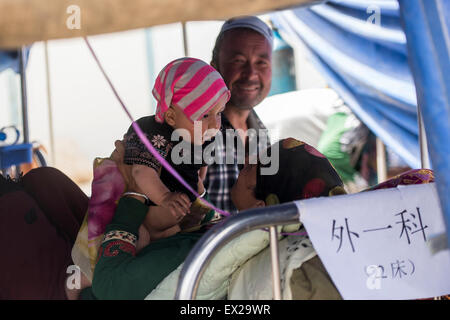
(214, 239)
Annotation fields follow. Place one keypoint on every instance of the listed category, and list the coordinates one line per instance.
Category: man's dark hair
(216, 50)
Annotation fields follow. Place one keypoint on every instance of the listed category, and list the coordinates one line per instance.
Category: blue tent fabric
(365, 62)
(10, 59)
(427, 28)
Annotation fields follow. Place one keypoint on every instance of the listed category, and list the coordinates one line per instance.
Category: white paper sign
(374, 244)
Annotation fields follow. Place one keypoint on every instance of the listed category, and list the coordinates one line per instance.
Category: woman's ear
(170, 117)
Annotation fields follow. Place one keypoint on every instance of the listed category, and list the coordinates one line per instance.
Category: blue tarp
(427, 28)
(360, 48)
(10, 59)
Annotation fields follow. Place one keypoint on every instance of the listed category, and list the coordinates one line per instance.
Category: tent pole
(381, 161)
(185, 39)
(23, 88)
(424, 158)
(150, 64)
(49, 104)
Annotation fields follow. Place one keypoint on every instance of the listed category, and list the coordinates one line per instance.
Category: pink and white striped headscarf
(189, 84)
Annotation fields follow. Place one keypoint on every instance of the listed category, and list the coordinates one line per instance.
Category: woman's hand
(201, 178)
(177, 203)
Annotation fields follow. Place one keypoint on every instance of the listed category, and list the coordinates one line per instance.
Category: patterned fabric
(189, 84)
(159, 135)
(122, 236)
(416, 176)
(221, 177)
(303, 173)
(114, 248)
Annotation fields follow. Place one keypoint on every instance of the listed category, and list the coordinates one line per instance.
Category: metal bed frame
(222, 233)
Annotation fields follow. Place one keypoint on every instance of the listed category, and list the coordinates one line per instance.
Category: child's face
(204, 128)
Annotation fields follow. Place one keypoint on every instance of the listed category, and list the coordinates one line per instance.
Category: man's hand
(125, 169)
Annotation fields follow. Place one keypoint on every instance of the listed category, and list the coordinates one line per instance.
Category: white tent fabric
(282, 113)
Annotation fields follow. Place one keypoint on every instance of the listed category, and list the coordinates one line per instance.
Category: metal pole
(23, 85)
(49, 104)
(275, 263)
(185, 39)
(218, 236)
(381, 161)
(424, 158)
(150, 64)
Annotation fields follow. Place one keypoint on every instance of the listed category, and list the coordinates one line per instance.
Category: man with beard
(242, 55)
